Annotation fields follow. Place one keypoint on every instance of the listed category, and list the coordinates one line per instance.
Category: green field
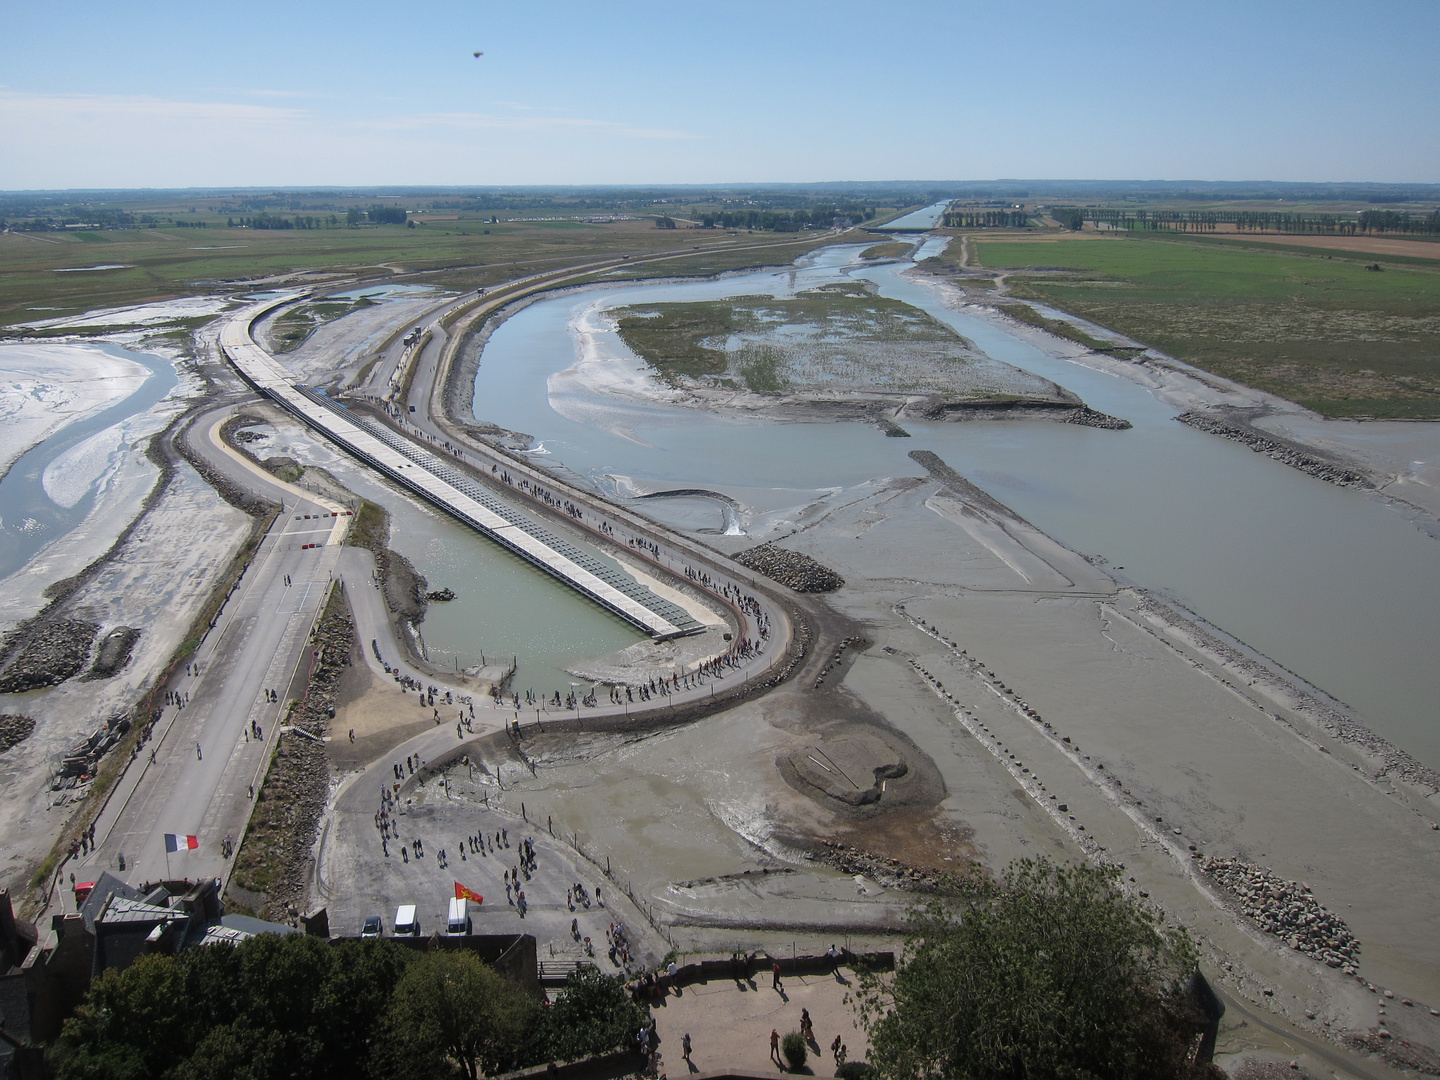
(166, 262)
(1325, 332)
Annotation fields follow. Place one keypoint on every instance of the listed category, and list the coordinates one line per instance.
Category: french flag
(181, 842)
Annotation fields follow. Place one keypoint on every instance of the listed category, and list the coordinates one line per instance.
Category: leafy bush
(793, 1047)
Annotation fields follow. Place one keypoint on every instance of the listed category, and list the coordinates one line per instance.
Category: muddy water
(31, 519)
(504, 608)
(924, 218)
(1332, 584)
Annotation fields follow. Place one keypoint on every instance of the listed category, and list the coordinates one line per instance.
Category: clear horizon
(641, 93)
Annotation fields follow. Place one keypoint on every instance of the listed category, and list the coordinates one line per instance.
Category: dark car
(372, 927)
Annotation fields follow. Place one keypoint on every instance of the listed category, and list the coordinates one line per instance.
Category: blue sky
(158, 93)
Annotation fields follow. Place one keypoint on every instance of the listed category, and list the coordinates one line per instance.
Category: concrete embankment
(443, 485)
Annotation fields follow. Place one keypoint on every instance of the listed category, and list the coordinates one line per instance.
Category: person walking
(775, 975)
(685, 1046)
(775, 1046)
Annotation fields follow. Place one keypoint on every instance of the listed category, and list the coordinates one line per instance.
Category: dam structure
(442, 485)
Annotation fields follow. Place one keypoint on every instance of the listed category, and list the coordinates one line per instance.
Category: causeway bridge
(448, 488)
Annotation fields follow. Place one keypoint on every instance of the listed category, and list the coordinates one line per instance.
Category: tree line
(275, 221)
(986, 219)
(296, 1005)
(766, 220)
(1366, 222)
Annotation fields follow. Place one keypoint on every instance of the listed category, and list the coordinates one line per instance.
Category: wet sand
(706, 824)
(1151, 716)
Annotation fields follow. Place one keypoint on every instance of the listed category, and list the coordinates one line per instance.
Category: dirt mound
(50, 655)
(790, 568)
(14, 730)
(113, 653)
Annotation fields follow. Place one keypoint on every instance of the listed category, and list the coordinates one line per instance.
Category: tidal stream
(1333, 584)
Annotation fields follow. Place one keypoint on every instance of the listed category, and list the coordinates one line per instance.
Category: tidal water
(1333, 584)
(924, 218)
(31, 520)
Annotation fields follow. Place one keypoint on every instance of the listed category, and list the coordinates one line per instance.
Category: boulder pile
(51, 654)
(113, 653)
(1281, 451)
(14, 730)
(887, 873)
(790, 568)
(1289, 911)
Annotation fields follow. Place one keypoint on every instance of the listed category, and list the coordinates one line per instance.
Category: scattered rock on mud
(14, 730)
(51, 653)
(790, 568)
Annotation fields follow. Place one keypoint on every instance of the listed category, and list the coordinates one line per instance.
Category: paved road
(363, 872)
(194, 776)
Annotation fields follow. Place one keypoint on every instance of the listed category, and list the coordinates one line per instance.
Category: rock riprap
(790, 568)
(14, 730)
(1288, 910)
(1282, 451)
(51, 654)
(887, 873)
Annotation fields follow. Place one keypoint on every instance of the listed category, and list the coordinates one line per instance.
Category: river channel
(31, 519)
(1333, 584)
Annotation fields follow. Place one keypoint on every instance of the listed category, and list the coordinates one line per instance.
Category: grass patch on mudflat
(895, 250)
(1060, 328)
(1326, 333)
(294, 326)
(835, 339)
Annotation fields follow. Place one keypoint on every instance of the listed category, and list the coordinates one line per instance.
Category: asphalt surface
(197, 774)
(194, 777)
(363, 871)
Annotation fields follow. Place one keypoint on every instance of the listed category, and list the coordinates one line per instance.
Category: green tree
(131, 1027)
(450, 1011)
(593, 1014)
(1051, 972)
(272, 1006)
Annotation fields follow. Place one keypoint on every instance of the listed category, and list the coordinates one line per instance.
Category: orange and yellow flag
(462, 893)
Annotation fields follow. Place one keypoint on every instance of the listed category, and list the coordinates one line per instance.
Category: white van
(406, 922)
(457, 923)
